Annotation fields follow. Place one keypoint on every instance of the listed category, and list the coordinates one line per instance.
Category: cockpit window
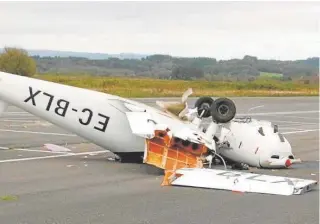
(275, 157)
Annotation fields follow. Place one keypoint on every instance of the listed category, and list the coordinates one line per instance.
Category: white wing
(242, 181)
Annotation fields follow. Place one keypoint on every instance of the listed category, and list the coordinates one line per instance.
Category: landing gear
(203, 105)
(223, 110)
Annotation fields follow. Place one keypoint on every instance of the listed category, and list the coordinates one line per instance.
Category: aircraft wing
(239, 181)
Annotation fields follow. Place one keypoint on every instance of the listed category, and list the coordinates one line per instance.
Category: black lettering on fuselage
(32, 96)
(50, 100)
(62, 107)
(88, 119)
(104, 124)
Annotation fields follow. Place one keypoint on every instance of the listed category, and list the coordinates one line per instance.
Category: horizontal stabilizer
(241, 181)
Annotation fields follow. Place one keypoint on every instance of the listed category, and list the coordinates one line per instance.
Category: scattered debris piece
(56, 148)
(93, 154)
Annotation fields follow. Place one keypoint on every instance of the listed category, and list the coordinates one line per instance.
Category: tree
(17, 61)
(186, 73)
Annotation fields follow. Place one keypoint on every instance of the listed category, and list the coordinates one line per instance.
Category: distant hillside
(169, 67)
(92, 56)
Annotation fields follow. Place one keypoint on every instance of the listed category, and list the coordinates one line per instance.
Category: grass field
(147, 87)
(270, 75)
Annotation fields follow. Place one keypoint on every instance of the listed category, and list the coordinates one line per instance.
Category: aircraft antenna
(253, 108)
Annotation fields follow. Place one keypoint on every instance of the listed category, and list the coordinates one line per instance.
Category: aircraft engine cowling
(222, 110)
(3, 107)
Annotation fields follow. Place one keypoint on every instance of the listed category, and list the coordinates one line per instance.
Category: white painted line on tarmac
(280, 112)
(22, 121)
(3, 148)
(291, 128)
(35, 132)
(38, 150)
(292, 122)
(289, 116)
(15, 112)
(295, 132)
(18, 114)
(53, 156)
(296, 125)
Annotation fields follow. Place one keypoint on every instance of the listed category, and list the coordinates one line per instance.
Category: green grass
(148, 87)
(8, 198)
(270, 75)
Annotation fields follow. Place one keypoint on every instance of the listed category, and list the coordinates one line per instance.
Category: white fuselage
(101, 118)
(95, 116)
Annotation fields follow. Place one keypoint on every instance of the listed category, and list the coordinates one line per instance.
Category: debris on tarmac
(56, 148)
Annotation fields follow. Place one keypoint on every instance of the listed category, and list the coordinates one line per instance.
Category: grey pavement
(39, 187)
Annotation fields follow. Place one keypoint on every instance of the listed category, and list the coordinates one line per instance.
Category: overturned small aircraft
(172, 138)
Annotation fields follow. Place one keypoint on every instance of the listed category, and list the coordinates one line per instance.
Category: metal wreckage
(174, 138)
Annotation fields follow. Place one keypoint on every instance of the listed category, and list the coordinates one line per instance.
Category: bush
(17, 61)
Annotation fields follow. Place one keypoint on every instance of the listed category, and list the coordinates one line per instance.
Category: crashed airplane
(172, 139)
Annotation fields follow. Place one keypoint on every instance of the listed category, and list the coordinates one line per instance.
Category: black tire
(223, 110)
(204, 103)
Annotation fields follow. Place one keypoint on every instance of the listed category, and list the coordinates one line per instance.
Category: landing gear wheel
(203, 104)
(223, 110)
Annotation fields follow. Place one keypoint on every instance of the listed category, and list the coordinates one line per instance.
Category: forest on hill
(168, 67)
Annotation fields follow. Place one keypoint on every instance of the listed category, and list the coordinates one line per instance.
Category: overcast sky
(222, 30)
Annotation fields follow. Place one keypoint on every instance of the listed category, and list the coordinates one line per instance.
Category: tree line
(158, 66)
(168, 67)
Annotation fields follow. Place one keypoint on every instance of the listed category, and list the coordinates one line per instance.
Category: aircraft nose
(288, 163)
(277, 161)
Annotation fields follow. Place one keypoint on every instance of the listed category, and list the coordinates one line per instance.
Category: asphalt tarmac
(38, 187)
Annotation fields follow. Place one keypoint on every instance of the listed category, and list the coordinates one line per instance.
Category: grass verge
(147, 87)
(8, 198)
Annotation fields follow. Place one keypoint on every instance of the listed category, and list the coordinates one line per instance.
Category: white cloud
(216, 29)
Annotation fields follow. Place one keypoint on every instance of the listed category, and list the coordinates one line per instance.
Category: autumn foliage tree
(17, 61)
